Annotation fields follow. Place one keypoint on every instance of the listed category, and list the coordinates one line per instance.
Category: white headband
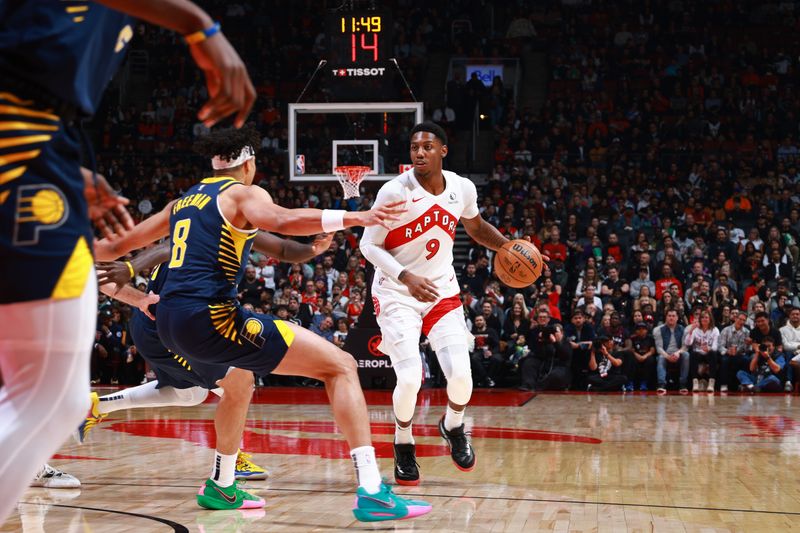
(247, 153)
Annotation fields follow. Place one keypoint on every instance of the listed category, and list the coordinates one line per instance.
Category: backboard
(324, 135)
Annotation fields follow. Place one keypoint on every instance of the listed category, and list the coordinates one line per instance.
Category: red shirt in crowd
(556, 250)
(664, 284)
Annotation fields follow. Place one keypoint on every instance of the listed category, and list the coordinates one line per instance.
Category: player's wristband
(202, 35)
(332, 220)
(130, 269)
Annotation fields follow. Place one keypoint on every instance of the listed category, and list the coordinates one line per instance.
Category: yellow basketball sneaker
(93, 418)
(246, 469)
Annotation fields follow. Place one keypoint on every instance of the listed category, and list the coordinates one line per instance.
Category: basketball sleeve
(470, 199)
(372, 242)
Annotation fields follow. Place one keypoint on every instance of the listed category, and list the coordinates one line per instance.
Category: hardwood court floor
(554, 462)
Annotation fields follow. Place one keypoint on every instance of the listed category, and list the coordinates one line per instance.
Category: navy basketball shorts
(223, 334)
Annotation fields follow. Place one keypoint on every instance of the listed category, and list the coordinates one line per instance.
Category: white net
(350, 177)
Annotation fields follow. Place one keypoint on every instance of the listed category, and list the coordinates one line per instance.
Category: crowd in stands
(660, 178)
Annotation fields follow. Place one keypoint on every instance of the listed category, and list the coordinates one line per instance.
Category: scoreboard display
(359, 43)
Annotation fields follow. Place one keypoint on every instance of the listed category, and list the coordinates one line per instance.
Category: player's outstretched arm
(140, 236)
(132, 297)
(483, 233)
(289, 251)
(255, 205)
(229, 86)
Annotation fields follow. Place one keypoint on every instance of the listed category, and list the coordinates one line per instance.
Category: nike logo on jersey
(416, 199)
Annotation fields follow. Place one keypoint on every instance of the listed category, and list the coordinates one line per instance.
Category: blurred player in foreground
(54, 67)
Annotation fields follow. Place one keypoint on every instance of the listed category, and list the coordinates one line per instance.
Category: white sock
(224, 469)
(369, 478)
(453, 418)
(403, 435)
(148, 395)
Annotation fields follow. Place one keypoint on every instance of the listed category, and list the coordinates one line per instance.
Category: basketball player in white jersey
(415, 291)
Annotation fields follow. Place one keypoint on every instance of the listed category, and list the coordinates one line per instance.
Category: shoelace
(460, 438)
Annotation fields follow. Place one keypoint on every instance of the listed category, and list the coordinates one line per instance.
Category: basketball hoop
(350, 177)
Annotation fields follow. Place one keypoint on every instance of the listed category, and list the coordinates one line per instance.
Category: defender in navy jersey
(181, 382)
(211, 229)
(55, 61)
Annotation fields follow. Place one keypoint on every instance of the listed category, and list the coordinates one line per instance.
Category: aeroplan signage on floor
(486, 73)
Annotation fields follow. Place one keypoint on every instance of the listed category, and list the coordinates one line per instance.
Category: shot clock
(360, 41)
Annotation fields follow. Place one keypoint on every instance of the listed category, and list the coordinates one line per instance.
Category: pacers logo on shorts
(39, 207)
(252, 330)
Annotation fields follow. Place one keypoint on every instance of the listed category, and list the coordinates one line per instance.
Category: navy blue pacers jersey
(172, 370)
(208, 254)
(52, 55)
(198, 314)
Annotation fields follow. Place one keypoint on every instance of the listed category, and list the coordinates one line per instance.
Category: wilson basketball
(518, 263)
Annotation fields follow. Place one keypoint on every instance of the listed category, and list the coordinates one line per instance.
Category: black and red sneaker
(406, 468)
(460, 448)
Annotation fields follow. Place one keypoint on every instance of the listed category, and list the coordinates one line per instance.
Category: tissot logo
(358, 72)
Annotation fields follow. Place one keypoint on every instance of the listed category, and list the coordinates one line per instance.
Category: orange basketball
(518, 263)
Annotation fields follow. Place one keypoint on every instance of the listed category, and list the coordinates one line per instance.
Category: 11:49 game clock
(359, 42)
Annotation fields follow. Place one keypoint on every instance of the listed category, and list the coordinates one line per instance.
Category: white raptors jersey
(422, 240)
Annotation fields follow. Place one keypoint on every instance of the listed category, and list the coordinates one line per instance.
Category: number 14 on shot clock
(358, 38)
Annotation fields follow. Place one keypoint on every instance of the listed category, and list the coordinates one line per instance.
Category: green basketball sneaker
(386, 505)
(212, 496)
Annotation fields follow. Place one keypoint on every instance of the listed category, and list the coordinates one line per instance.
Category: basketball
(518, 263)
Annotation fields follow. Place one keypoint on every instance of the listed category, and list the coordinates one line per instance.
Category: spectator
(790, 334)
(701, 340)
(733, 349)
(765, 369)
(548, 368)
(669, 346)
(775, 269)
(644, 352)
(251, 287)
(605, 369)
(489, 314)
(642, 281)
(486, 358)
(666, 281)
(323, 327)
(580, 334)
(516, 324)
(340, 335)
(554, 248)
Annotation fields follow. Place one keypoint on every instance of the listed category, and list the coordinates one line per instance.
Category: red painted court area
(317, 396)
(321, 438)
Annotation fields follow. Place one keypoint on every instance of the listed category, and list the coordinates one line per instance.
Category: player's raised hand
(420, 288)
(106, 208)
(381, 215)
(229, 87)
